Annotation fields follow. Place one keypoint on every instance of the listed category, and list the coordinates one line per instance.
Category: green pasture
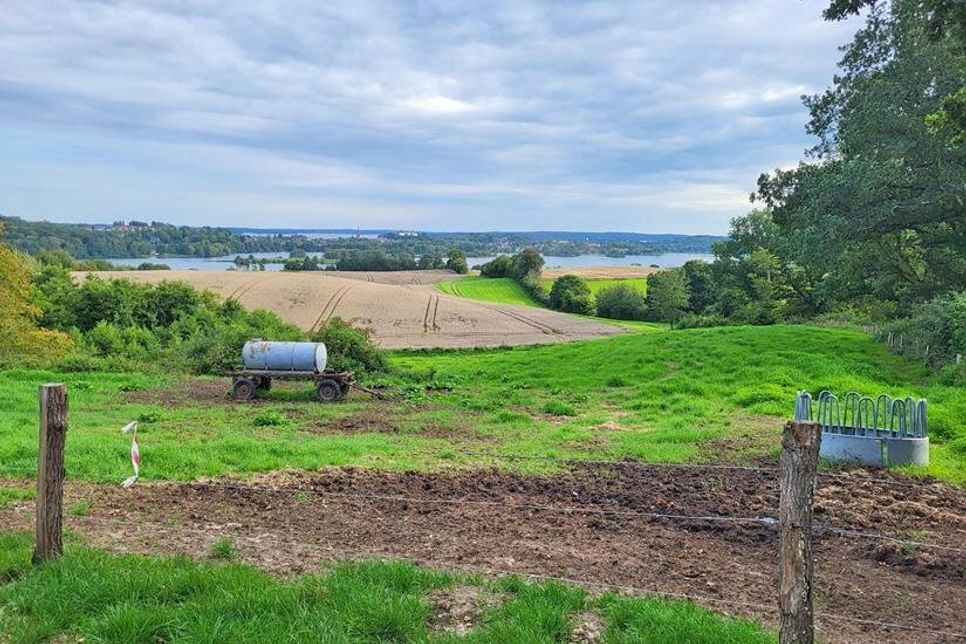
(698, 395)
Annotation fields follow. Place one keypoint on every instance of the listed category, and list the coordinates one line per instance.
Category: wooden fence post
(799, 462)
(50, 472)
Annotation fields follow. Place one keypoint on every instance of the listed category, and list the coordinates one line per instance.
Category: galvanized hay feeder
(879, 432)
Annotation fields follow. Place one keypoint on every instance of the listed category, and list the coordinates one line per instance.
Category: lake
(667, 260)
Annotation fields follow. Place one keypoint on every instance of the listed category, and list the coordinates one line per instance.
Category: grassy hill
(504, 290)
(702, 395)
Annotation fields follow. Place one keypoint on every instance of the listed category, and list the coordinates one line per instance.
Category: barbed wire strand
(709, 466)
(767, 521)
(502, 504)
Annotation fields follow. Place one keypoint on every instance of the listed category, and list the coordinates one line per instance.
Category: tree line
(148, 239)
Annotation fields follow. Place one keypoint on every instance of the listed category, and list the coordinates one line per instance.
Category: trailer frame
(330, 385)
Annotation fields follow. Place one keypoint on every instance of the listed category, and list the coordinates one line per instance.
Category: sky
(644, 116)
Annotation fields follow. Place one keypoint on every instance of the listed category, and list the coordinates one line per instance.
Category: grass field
(502, 290)
(94, 596)
(701, 395)
(597, 285)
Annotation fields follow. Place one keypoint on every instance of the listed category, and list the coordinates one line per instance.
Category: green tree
(527, 265)
(500, 266)
(703, 288)
(570, 293)
(668, 296)
(882, 211)
(621, 302)
(456, 261)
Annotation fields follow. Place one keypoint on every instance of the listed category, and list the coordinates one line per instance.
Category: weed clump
(270, 419)
(559, 408)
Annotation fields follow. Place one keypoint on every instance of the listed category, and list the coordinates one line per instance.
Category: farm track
(467, 521)
(329, 307)
(247, 287)
(539, 326)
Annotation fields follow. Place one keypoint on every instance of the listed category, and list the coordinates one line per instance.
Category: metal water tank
(264, 355)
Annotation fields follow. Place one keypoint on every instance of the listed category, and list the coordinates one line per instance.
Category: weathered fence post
(799, 462)
(50, 472)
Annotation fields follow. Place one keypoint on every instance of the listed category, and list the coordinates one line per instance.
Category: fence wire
(532, 507)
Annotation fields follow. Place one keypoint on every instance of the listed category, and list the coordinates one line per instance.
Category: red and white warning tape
(132, 428)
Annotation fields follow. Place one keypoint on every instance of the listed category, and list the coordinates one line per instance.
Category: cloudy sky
(645, 115)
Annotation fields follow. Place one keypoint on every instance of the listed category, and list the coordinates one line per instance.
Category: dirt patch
(185, 392)
(595, 525)
(458, 610)
(588, 628)
(385, 418)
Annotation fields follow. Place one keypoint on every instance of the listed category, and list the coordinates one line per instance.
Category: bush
(570, 293)
(500, 266)
(351, 348)
(939, 325)
(621, 302)
(695, 321)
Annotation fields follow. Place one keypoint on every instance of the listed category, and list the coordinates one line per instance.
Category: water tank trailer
(266, 360)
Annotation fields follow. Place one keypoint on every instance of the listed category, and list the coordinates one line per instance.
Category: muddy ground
(296, 522)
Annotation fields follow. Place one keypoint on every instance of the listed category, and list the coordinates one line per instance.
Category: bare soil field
(593, 524)
(602, 272)
(402, 309)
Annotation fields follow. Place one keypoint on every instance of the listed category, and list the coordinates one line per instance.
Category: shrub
(351, 348)
(939, 325)
(695, 321)
(570, 293)
(621, 302)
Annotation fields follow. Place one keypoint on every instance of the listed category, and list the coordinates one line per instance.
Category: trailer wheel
(263, 383)
(328, 391)
(244, 389)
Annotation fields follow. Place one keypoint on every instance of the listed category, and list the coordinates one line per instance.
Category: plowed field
(402, 309)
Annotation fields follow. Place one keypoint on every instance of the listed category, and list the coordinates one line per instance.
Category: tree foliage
(622, 302)
(21, 339)
(668, 297)
(881, 211)
(571, 294)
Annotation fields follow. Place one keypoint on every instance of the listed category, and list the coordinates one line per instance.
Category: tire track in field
(519, 317)
(429, 305)
(435, 313)
(246, 287)
(329, 307)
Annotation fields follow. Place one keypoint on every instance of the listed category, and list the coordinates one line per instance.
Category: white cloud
(507, 112)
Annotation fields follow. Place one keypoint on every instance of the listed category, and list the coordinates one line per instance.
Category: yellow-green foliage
(20, 338)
